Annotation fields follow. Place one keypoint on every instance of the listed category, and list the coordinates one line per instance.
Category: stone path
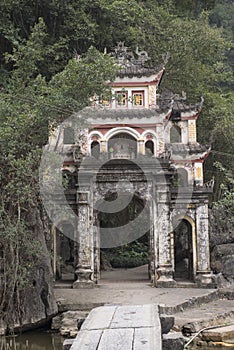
(131, 327)
(172, 299)
(193, 308)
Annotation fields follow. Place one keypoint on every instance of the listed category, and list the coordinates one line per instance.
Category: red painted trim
(199, 160)
(167, 118)
(192, 117)
(135, 126)
(156, 81)
(135, 84)
(186, 161)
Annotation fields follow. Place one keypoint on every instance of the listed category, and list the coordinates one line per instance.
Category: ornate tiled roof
(193, 148)
(132, 64)
(177, 103)
(118, 114)
(138, 71)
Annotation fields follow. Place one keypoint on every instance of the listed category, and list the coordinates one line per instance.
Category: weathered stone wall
(222, 245)
(37, 301)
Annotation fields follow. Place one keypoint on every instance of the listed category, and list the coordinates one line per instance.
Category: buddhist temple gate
(143, 145)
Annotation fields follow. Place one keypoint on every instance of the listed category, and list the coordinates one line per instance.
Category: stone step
(219, 334)
(190, 303)
(63, 285)
(213, 313)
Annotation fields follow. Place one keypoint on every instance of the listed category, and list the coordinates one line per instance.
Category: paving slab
(125, 327)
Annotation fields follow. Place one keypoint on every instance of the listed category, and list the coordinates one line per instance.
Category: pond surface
(36, 340)
(41, 340)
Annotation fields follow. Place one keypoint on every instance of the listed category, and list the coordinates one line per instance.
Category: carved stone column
(152, 242)
(141, 148)
(84, 270)
(163, 226)
(203, 275)
(96, 248)
(103, 146)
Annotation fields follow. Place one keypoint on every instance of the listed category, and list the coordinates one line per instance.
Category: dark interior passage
(65, 252)
(134, 253)
(183, 251)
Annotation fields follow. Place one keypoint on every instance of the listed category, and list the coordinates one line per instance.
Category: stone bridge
(125, 327)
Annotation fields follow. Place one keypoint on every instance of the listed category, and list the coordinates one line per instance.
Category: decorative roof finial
(127, 58)
(166, 57)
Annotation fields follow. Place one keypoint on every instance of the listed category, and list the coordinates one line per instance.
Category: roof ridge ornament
(166, 58)
(126, 57)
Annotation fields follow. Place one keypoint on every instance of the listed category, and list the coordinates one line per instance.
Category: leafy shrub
(131, 255)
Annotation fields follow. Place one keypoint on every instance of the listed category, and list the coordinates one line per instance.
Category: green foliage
(81, 79)
(216, 127)
(131, 255)
(50, 68)
(28, 105)
(222, 15)
(27, 56)
(196, 50)
(193, 8)
(225, 203)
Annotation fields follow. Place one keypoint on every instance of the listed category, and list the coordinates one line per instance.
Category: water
(36, 340)
(41, 340)
(209, 348)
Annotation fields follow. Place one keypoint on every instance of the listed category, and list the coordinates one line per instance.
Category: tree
(225, 203)
(74, 27)
(29, 104)
(50, 67)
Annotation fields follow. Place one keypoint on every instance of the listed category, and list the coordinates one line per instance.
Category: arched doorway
(129, 261)
(64, 252)
(183, 251)
(149, 148)
(95, 149)
(122, 146)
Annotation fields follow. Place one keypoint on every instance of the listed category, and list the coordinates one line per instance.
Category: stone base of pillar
(206, 279)
(165, 278)
(83, 285)
(84, 277)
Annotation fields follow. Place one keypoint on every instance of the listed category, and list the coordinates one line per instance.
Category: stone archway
(136, 250)
(146, 179)
(184, 252)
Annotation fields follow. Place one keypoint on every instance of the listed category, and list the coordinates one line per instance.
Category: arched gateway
(127, 153)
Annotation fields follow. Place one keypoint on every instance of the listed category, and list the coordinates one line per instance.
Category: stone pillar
(54, 248)
(163, 226)
(152, 243)
(141, 147)
(152, 96)
(203, 273)
(85, 269)
(103, 146)
(192, 132)
(96, 250)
